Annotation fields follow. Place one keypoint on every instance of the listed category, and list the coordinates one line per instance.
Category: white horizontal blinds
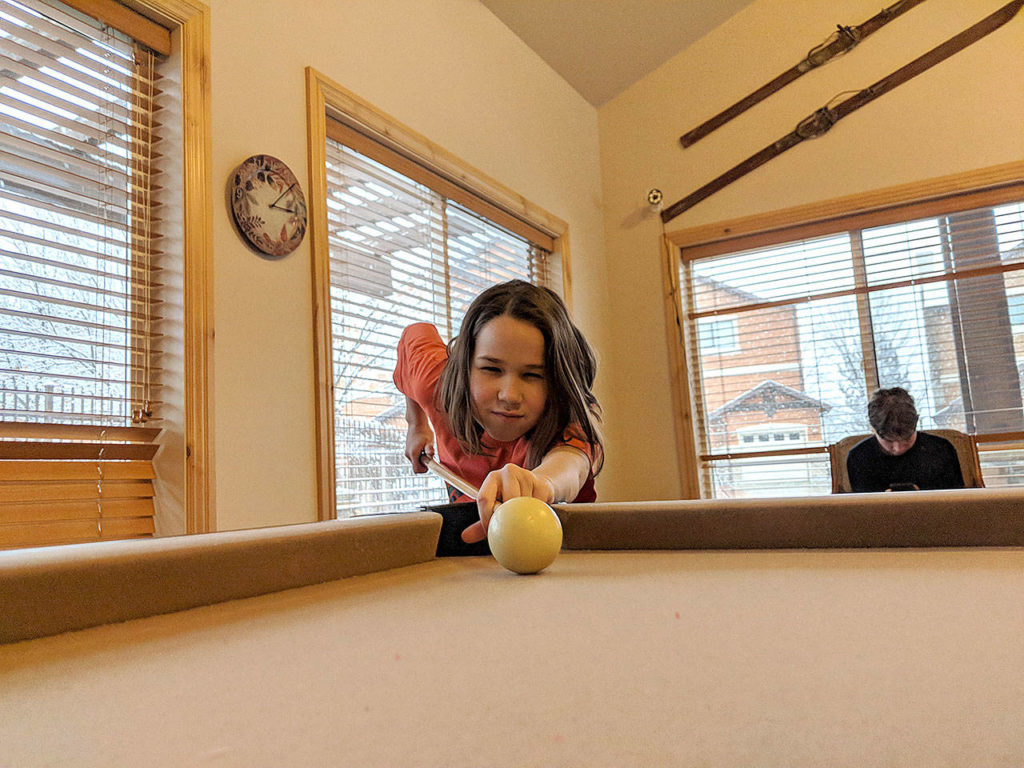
(757, 385)
(400, 253)
(768, 476)
(386, 270)
(755, 368)
(545, 269)
(480, 254)
(941, 291)
(787, 341)
(76, 220)
(1002, 464)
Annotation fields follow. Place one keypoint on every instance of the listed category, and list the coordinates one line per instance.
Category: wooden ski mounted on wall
(841, 41)
(823, 119)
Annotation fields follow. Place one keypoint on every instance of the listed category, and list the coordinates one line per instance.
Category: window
(774, 475)
(717, 335)
(933, 304)
(777, 433)
(82, 280)
(405, 245)
(76, 287)
(1015, 306)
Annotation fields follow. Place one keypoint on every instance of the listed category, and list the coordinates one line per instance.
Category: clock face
(268, 206)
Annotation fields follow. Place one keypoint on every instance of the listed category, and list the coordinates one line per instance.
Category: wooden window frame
(159, 24)
(326, 98)
(140, 28)
(181, 28)
(990, 186)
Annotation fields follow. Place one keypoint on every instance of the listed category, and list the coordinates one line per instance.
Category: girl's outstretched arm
(567, 468)
(559, 477)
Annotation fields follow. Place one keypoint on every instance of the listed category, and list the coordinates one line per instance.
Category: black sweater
(930, 464)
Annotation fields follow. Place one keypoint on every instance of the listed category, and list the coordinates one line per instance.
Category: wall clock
(267, 205)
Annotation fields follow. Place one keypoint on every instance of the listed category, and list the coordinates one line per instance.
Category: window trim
(710, 342)
(124, 19)
(187, 27)
(946, 194)
(189, 21)
(326, 98)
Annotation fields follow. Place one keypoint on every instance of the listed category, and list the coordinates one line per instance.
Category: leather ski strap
(823, 119)
(841, 41)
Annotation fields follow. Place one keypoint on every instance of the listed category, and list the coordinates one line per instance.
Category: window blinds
(400, 253)
(77, 224)
(788, 341)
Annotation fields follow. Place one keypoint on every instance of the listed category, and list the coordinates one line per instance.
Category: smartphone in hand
(903, 487)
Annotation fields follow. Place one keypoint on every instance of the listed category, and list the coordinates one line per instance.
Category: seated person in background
(898, 457)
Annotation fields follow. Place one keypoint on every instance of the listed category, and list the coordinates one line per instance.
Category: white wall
(965, 114)
(447, 69)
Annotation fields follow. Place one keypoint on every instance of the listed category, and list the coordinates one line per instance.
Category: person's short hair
(891, 413)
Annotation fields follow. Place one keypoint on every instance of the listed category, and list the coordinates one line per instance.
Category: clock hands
(275, 203)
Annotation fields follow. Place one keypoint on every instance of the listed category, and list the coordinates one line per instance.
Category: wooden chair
(966, 451)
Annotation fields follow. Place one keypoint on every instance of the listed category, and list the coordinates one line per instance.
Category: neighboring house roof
(718, 285)
(954, 412)
(393, 412)
(769, 396)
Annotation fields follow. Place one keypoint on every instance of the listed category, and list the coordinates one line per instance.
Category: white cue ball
(525, 535)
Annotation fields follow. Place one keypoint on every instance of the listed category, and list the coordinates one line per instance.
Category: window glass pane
(1010, 235)
(386, 264)
(75, 296)
(833, 365)
(777, 476)
(903, 251)
(787, 372)
(1002, 468)
(914, 349)
(480, 254)
(951, 343)
(717, 335)
(798, 366)
(1015, 302)
(787, 342)
(399, 253)
(790, 271)
(1009, 221)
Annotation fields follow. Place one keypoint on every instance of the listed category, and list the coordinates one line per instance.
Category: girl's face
(507, 380)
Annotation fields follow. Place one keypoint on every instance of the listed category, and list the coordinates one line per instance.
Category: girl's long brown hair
(569, 367)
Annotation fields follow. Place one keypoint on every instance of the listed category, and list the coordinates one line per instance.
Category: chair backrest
(966, 451)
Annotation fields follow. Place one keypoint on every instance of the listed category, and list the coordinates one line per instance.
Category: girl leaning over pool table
(508, 401)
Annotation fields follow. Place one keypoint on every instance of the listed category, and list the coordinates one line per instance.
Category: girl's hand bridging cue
(501, 485)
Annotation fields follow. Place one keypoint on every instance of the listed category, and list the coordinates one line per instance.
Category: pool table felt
(718, 658)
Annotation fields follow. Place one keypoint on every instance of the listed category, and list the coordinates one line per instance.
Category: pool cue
(449, 477)
(454, 480)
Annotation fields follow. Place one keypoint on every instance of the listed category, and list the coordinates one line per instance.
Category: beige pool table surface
(911, 657)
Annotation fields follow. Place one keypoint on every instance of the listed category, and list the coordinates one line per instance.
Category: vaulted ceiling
(601, 47)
